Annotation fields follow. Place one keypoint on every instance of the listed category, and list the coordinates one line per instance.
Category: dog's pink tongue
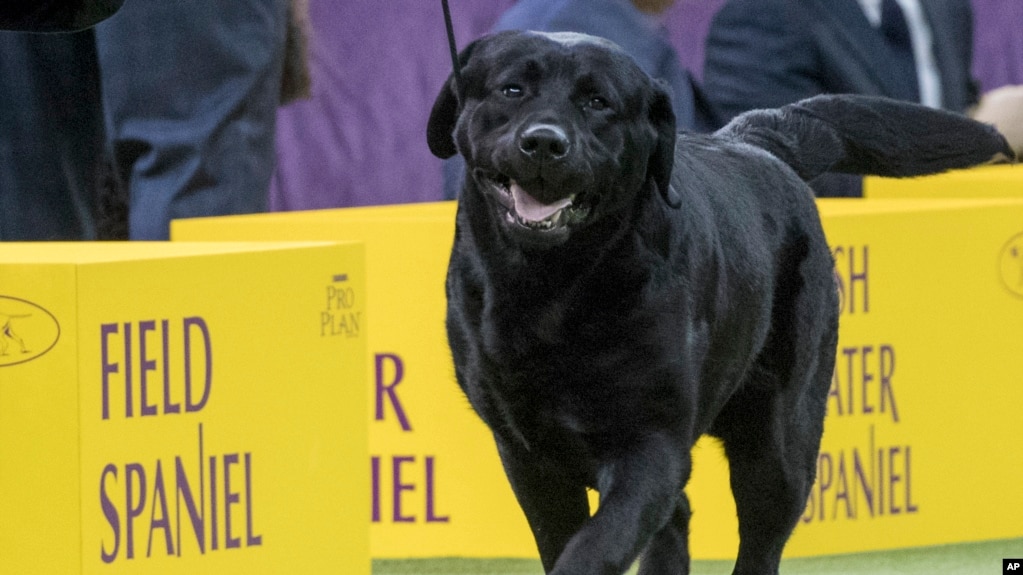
(530, 209)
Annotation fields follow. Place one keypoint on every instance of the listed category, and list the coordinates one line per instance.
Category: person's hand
(1003, 107)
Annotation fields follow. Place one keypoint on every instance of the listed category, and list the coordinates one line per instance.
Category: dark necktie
(896, 35)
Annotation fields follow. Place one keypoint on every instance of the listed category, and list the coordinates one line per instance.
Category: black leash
(457, 71)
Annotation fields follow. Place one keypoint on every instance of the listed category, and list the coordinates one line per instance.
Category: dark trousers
(186, 116)
(51, 136)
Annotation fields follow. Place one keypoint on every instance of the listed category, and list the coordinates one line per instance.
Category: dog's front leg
(639, 493)
(555, 506)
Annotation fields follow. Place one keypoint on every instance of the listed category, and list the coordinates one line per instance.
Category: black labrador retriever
(616, 290)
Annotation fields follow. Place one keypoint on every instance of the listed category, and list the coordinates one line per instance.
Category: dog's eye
(596, 103)
(511, 90)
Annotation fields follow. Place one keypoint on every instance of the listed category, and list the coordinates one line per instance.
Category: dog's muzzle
(524, 210)
(530, 183)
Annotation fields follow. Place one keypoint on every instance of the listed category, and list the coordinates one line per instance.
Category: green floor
(967, 559)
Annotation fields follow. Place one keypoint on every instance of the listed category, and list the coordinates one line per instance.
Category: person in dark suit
(179, 98)
(768, 53)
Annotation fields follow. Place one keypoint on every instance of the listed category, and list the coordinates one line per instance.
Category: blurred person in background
(51, 125)
(768, 53)
(175, 102)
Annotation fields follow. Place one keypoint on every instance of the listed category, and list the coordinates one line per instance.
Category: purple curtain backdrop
(376, 67)
(998, 42)
(687, 22)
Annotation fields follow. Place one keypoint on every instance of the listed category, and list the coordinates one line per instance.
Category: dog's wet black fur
(616, 290)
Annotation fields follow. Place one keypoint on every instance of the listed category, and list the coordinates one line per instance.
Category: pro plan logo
(1010, 264)
(341, 316)
(27, 331)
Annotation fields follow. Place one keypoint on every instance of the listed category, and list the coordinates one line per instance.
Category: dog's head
(557, 130)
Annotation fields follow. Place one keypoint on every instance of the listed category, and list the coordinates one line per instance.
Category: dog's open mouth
(526, 210)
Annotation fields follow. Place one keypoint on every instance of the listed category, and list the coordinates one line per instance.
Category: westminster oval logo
(27, 331)
(1011, 265)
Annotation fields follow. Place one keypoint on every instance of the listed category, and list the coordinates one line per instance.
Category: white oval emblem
(27, 331)
(1010, 264)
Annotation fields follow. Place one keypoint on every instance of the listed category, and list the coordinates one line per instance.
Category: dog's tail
(869, 135)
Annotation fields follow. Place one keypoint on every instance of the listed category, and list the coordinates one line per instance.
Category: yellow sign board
(925, 400)
(1002, 181)
(922, 442)
(182, 408)
(437, 488)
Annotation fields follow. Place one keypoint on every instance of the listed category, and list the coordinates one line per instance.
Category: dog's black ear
(443, 115)
(662, 160)
(446, 108)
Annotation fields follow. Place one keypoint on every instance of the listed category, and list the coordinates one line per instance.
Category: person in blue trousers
(178, 98)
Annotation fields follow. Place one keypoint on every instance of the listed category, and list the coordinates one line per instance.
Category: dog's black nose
(544, 141)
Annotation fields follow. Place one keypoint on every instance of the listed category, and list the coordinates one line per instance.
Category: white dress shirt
(927, 74)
